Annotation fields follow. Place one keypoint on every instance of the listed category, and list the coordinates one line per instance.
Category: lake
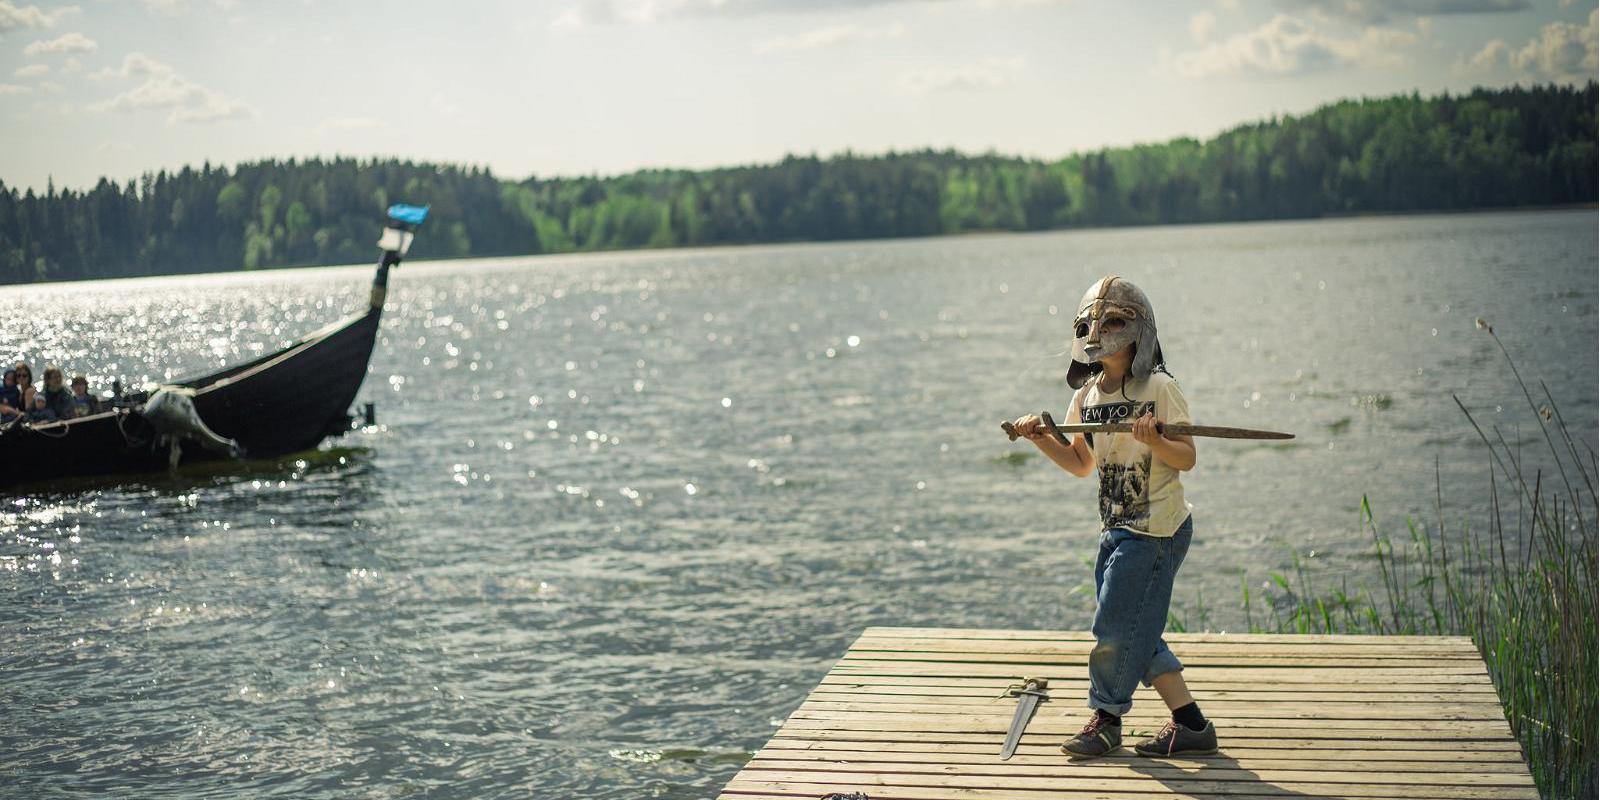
(621, 511)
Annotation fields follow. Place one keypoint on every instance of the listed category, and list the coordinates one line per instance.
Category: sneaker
(1098, 737)
(1176, 740)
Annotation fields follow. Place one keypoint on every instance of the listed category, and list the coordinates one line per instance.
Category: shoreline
(720, 247)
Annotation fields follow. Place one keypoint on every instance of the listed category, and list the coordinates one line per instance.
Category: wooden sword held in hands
(1060, 431)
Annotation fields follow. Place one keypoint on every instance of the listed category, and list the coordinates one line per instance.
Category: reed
(1523, 587)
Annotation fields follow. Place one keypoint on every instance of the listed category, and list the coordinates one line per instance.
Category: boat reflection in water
(261, 409)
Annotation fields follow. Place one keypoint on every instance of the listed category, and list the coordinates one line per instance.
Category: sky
(565, 87)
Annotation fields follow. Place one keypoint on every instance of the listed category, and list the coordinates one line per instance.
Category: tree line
(1490, 148)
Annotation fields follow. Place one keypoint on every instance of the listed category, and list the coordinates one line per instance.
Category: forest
(1522, 146)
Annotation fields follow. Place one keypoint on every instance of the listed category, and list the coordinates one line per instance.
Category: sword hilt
(1033, 686)
(1049, 426)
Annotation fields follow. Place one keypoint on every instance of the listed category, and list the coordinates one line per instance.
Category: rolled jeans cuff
(1118, 709)
(1163, 663)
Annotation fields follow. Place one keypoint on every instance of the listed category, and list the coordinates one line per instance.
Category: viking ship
(281, 403)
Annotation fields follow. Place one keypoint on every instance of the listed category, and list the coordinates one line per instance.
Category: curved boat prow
(396, 240)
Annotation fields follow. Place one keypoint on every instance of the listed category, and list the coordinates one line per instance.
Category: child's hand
(1144, 429)
(1029, 427)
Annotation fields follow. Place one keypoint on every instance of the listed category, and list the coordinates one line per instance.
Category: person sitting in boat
(84, 403)
(55, 402)
(25, 389)
(10, 397)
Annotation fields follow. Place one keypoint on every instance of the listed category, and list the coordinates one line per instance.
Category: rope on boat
(126, 439)
(65, 430)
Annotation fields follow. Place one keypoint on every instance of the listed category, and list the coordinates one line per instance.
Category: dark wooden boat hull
(281, 403)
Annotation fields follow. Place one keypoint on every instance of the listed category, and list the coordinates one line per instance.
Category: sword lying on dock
(1213, 431)
(1030, 693)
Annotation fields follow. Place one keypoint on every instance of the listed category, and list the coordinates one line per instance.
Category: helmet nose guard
(1112, 298)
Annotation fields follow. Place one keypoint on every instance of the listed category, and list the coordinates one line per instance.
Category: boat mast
(396, 240)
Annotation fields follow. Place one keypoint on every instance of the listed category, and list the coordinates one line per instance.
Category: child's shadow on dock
(1191, 776)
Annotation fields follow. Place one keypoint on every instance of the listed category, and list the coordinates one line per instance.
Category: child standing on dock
(1118, 375)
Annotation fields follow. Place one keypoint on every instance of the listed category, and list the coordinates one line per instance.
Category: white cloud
(990, 73)
(1371, 12)
(1201, 26)
(9, 89)
(161, 88)
(1492, 55)
(134, 65)
(827, 37)
(1562, 52)
(1286, 45)
(14, 17)
(350, 124)
(65, 43)
(441, 105)
(642, 12)
(32, 71)
(173, 8)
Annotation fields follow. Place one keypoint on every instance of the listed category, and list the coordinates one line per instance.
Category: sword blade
(1019, 721)
(1212, 431)
(1027, 702)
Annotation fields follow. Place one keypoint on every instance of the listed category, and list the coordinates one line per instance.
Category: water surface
(623, 510)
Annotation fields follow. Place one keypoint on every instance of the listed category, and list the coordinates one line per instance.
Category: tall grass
(1523, 587)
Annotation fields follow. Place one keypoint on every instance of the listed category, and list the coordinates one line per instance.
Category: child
(83, 403)
(1118, 375)
(10, 396)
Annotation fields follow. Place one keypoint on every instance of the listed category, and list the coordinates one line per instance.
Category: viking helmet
(1112, 298)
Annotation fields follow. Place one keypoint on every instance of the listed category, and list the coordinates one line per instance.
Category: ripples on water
(622, 511)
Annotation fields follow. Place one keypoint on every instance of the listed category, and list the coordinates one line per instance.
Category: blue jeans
(1133, 584)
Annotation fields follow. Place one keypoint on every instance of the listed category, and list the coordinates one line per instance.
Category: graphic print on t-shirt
(1117, 412)
(1124, 486)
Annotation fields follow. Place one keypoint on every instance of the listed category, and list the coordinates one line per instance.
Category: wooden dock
(916, 714)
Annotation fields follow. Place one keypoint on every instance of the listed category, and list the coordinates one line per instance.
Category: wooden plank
(1288, 742)
(1451, 666)
(1264, 638)
(1075, 691)
(808, 793)
(1183, 649)
(1343, 673)
(938, 786)
(1383, 728)
(1420, 760)
(1045, 746)
(1213, 710)
(998, 683)
(1148, 768)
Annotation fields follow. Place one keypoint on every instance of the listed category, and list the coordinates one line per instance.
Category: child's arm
(1176, 451)
(1076, 458)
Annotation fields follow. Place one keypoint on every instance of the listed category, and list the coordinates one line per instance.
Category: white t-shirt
(1137, 491)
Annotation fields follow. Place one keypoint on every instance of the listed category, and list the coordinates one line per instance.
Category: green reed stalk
(1529, 604)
